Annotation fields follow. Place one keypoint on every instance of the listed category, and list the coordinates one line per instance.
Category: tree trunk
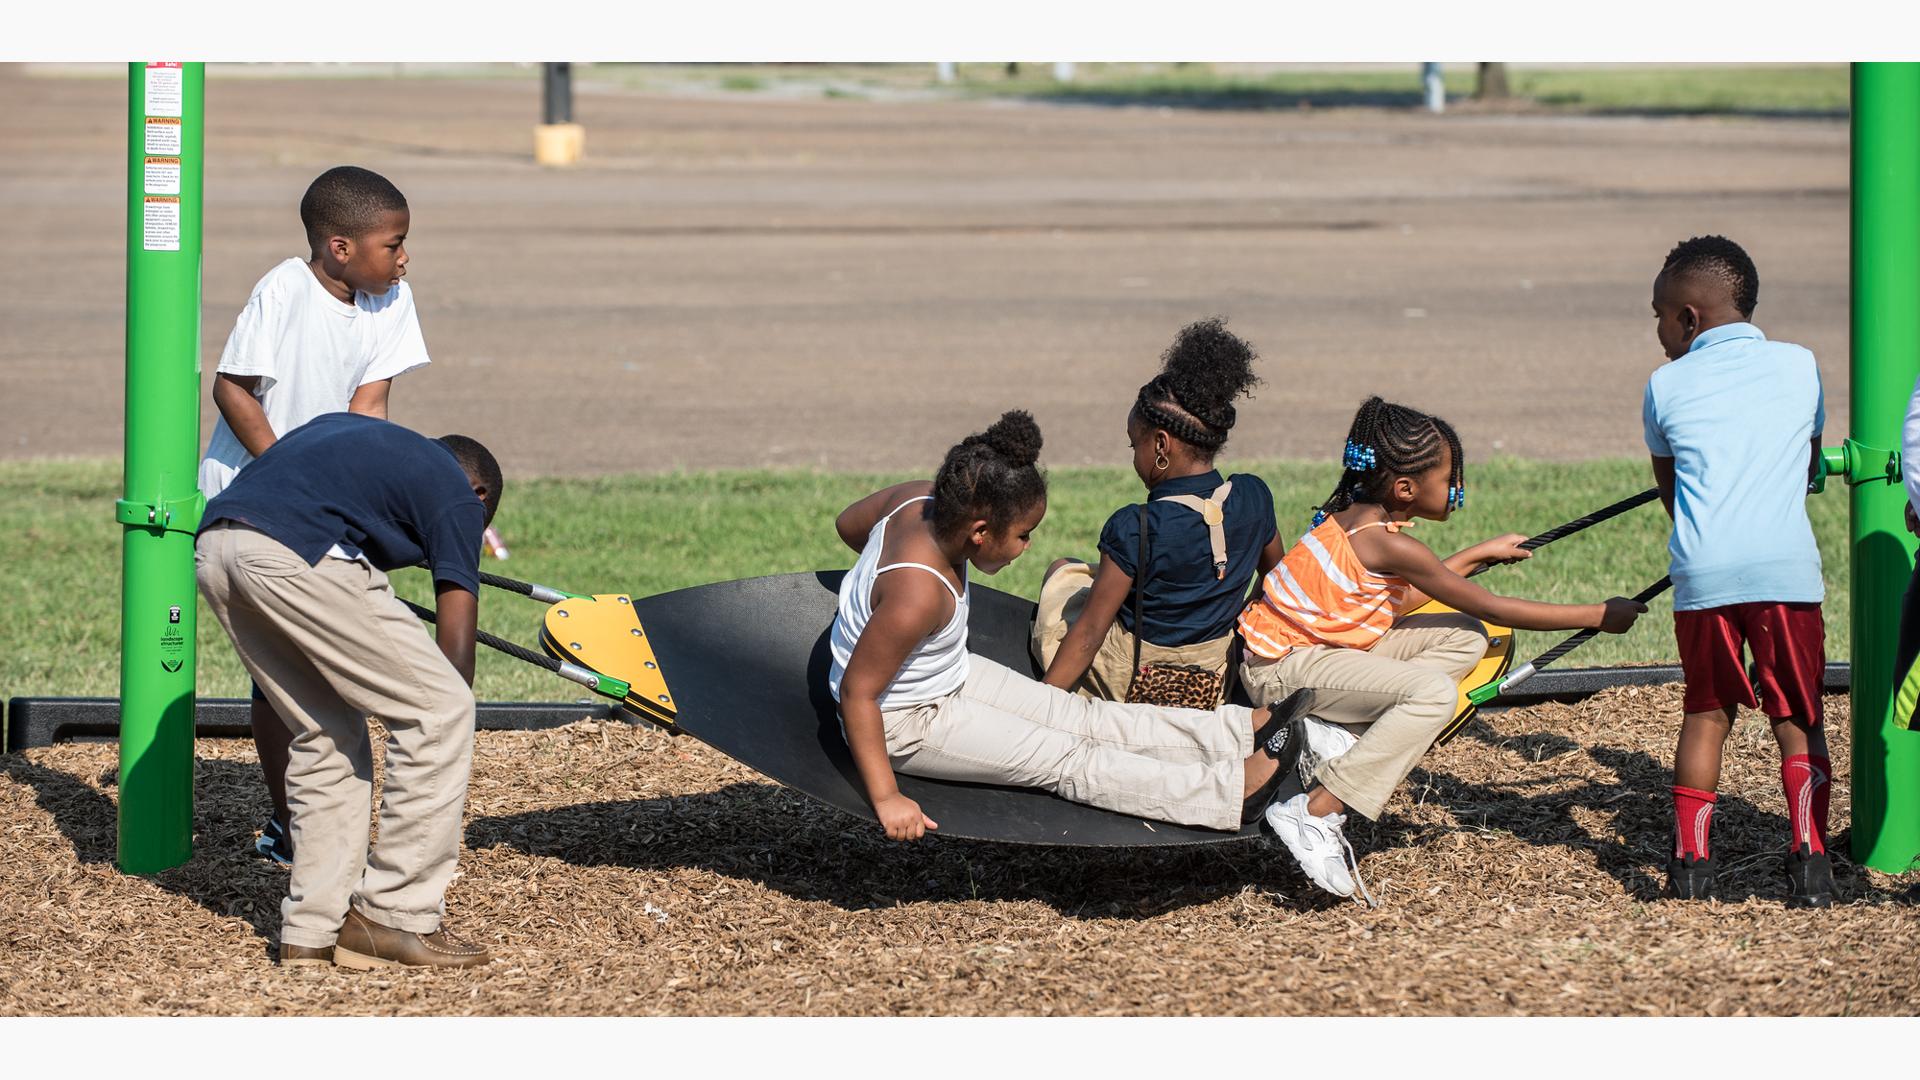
(1493, 83)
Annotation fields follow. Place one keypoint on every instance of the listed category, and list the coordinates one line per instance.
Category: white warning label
(166, 82)
(163, 176)
(161, 227)
(163, 135)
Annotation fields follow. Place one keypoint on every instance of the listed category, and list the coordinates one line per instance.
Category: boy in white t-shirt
(319, 335)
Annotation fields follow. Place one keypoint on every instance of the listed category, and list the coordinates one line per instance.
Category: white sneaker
(1317, 844)
(1325, 741)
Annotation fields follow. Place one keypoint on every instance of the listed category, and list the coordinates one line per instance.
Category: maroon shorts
(1789, 647)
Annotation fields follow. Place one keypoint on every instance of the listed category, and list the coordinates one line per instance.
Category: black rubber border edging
(44, 721)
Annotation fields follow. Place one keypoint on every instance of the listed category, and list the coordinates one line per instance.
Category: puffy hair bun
(1207, 367)
(1015, 437)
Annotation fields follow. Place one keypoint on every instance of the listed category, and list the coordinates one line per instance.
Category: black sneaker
(1809, 878)
(274, 844)
(1690, 878)
(1283, 737)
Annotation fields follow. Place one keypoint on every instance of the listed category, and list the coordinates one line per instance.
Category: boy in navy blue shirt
(1733, 424)
(291, 559)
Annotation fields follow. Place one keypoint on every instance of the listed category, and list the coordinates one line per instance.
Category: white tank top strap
(888, 516)
(921, 566)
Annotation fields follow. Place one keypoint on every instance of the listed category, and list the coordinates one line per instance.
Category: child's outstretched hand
(1620, 614)
(901, 817)
(1913, 520)
(1502, 550)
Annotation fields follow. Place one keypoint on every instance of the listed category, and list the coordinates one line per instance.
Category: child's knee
(1435, 693)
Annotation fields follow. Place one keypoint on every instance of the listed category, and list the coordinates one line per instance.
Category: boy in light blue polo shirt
(1733, 423)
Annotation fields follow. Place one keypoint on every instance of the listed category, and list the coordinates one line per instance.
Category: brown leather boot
(364, 945)
(304, 955)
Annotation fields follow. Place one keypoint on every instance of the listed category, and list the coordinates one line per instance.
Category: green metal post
(162, 503)
(1886, 355)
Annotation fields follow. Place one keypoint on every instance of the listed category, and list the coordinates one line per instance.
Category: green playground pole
(161, 507)
(1886, 355)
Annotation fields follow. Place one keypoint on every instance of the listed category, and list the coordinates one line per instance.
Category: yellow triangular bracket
(603, 634)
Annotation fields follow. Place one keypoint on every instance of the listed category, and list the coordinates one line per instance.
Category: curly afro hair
(1720, 261)
(993, 475)
(1204, 370)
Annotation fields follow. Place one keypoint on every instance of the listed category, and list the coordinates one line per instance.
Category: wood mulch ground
(615, 870)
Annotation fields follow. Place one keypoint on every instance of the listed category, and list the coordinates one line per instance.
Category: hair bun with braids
(1205, 369)
(993, 475)
(1015, 437)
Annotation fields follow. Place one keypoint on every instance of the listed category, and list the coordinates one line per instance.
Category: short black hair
(478, 463)
(1388, 440)
(1206, 368)
(1718, 260)
(347, 200)
(993, 475)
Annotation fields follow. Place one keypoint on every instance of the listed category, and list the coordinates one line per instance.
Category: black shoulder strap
(1139, 579)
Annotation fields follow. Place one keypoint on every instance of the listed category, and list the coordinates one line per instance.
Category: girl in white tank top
(909, 690)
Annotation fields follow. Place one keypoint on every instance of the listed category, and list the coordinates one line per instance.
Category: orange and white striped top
(1321, 595)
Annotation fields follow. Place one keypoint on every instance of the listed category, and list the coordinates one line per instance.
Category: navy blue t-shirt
(1183, 603)
(397, 496)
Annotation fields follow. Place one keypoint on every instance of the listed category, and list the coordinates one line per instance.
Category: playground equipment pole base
(558, 144)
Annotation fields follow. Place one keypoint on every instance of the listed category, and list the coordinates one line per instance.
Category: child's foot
(274, 843)
(1325, 741)
(1318, 845)
(1810, 878)
(1690, 878)
(1283, 738)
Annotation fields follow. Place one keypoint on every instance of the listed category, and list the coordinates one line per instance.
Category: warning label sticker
(163, 135)
(161, 224)
(166, 83)
(163, 176)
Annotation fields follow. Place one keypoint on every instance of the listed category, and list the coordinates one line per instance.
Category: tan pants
(1062, 599)
(1398, 696)
(330, 645)
(1179, 765)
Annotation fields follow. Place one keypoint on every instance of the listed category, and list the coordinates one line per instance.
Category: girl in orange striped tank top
(1331, 619)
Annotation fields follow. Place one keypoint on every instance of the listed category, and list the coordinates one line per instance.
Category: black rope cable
(1533, 666)
(1579, 523)
(545, 663)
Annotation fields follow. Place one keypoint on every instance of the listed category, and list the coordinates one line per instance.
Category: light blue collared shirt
(1738, 415)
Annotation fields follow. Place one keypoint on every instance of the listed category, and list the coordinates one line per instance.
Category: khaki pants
(1179, 765)
(330, 645)
(1398, 696)
(1064, 596)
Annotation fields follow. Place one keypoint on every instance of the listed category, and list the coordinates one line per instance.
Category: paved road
(743, 281)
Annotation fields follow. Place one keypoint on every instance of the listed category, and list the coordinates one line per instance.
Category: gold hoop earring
(1160, 462)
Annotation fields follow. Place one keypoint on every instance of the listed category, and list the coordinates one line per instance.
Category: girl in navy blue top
(1208, 538)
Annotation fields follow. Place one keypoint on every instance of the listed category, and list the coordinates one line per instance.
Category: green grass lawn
(1724, 88)
(647, 534)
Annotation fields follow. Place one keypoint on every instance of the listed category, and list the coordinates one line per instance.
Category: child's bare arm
(1663, 479)
(456, 618)
(1110, 587)
(905, 611)
(233, 396)
(1403, 556)
(1270, 557)
(857, 520)
(371, 399)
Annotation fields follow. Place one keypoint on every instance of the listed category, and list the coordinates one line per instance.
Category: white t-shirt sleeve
(402, 347)
(251, 346)
(1819, 404)
(1650, 421)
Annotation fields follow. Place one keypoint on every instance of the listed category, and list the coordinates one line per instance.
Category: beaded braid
(1388, 440)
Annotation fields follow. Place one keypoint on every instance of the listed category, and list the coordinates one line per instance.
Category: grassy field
(1728, 88)
(648, 534)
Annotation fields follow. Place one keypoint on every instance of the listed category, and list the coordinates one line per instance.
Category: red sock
(1692, 819)
(1806, 780)
(1820, 796)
